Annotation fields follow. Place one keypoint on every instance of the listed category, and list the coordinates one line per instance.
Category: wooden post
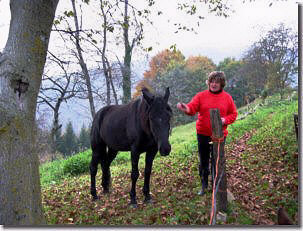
(217, 132)
(296, 125)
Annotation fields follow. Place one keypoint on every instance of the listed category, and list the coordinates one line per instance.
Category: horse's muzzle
(165, 150)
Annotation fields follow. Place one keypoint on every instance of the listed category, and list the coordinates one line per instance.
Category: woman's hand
(183, 107)
(223, 121)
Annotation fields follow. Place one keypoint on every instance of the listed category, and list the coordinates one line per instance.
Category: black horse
(141, 126)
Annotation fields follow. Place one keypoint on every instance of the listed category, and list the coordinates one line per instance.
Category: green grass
(52, 172)
(56, 171)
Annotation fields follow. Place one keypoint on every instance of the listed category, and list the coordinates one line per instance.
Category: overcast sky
(216, 38)
(219, 37)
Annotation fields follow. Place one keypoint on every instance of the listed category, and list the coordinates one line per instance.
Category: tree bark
(112, 83)
(103, 56)
(56, 126)
(21, 67)
(129, 45)
(126, 70)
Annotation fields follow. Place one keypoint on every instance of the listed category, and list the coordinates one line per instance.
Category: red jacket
(205, 100)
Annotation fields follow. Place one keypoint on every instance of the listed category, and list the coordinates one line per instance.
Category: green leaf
(69, 13)
(110, 28)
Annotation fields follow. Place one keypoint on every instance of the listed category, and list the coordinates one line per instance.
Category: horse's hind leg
(105, 165)
(93, 167)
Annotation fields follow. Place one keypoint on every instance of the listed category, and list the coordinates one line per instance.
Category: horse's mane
(142, 108)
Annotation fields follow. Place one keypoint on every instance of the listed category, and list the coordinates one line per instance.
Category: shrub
(121, 158)
(77, 164)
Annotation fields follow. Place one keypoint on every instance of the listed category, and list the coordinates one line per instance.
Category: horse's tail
(95, 136)
(97, 145)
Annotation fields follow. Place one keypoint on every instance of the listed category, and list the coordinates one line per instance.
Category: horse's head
(159, 115)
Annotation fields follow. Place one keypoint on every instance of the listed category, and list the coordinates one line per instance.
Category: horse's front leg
(134, 178)
(148, 168)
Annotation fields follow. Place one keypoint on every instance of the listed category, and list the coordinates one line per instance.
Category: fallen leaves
(258, 176)
(173, 193)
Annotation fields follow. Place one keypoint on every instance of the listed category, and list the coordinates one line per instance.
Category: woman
(214, 97)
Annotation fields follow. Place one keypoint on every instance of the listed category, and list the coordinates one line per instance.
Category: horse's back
(95, 130)
(111, 126)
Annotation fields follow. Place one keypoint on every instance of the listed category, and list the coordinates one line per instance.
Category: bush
(77, 164)
(121, 158)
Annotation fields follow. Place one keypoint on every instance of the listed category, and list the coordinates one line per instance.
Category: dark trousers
(204, 154)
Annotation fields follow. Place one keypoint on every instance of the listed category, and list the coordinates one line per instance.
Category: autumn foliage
(195, 63)
(166, 61)
(162, 62)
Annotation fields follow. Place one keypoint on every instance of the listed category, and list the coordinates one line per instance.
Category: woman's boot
(204, 182)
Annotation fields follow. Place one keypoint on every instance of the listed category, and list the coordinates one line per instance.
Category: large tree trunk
(21, 67)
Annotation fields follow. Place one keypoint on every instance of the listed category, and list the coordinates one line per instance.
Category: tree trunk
(56, 126)
(126, 69)
(126, 78)
(83, 64)
(21, 67)
(111, 83)
(103, 56)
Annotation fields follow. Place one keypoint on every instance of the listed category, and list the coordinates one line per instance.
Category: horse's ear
(167, 93)
(147, 95)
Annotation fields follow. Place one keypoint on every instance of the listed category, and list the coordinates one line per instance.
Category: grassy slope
(175, 182)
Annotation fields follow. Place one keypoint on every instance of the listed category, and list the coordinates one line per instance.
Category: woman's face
(215, 86)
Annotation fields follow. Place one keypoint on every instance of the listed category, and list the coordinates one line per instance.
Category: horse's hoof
(106, 191)
(148, 201)
(201, 193)
(95, 198)
(133, 206)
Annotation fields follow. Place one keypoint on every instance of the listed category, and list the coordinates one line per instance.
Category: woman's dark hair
(217, 76)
